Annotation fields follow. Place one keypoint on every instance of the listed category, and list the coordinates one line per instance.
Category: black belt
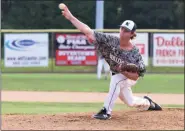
(113, 73)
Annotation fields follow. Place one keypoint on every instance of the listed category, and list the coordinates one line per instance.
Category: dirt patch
(122, 120)
(31, 96)
(168, 119)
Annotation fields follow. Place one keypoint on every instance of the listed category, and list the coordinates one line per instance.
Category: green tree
(40, 14)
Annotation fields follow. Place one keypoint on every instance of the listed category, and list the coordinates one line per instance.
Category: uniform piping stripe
(114, 92)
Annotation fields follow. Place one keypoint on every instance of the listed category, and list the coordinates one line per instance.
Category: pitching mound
(122, 120)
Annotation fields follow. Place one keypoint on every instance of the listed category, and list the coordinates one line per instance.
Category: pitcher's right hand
(66, 13)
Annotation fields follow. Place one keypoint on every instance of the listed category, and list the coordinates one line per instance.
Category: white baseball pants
(121, 87)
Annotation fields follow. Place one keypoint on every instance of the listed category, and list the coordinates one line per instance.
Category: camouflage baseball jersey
(109, 46)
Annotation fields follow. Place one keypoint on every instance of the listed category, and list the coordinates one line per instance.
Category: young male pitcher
(117, 51)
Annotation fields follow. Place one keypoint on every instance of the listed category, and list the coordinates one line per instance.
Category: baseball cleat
(102, 114)
(153, 105)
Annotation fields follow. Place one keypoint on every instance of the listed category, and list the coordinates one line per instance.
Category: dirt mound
(122, 120)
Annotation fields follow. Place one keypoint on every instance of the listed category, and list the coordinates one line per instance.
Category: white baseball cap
(129, 25)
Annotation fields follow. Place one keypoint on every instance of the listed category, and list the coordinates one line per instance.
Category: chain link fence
(53, 68)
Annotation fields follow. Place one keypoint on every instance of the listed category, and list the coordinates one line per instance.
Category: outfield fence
(68, 51)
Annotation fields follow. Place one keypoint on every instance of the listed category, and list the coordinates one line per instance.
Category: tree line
(45, 14)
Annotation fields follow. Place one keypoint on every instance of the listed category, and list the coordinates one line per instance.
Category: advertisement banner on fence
(168, 49)
(74, 49)
(141, 41)
(26, 50)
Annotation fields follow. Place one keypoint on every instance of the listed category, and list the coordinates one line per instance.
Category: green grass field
(51, 108)
(153, 83)
(54, 108)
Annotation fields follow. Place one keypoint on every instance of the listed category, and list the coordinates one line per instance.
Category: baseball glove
(129, 67)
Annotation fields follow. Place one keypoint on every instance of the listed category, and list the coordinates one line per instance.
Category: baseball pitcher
(125, 62)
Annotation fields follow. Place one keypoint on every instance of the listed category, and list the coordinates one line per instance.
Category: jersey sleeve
(104, 43)
(142, 67)
(103, 39)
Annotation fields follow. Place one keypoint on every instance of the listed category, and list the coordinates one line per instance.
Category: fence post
(151, 51)
(52, 52)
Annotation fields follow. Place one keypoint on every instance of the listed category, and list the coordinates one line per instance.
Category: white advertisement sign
(141, 41)
(168, 49)
(26, 50)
